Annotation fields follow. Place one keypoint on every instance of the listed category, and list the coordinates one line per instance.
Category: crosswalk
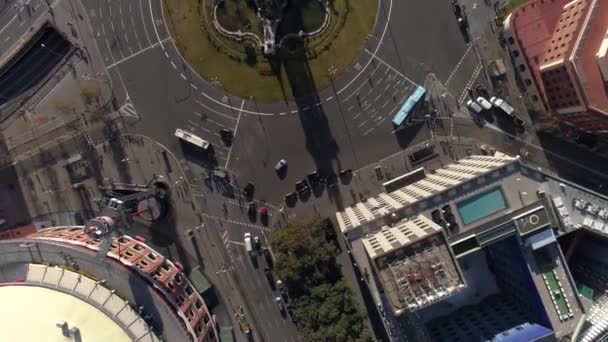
(128, 109)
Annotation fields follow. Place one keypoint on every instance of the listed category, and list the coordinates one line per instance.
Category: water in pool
(481, 205)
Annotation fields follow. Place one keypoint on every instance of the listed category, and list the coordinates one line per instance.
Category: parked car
(503, 105)
(269, 277)
(280, 304)
(292, 196)
(256, 243)
(485, 104)
(267, 257)
(482, 91)
(301, 185)
(474, 107)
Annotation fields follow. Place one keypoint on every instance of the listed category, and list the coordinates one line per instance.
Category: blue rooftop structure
(523, 333)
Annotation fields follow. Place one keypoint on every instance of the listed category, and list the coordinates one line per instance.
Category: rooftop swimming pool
(481, 205)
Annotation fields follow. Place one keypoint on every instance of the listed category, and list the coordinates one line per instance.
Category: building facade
(559, 50)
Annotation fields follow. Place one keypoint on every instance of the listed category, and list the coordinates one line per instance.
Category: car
(256, 243)
(269, 276)
(485, 104)
(267, 257)
(292, 196)
(503, 105)
(249, 189)
(482, 91)
(281, 164)
(264, 211)
(280, 303)
(474, 107)
(226, 133)
(253, 208)
(345, 172)
(314, 177)
(328, 227)
(518, 122)
(280, 285)
(301, 185)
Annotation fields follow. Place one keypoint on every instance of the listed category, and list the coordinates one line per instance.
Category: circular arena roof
(43, 308)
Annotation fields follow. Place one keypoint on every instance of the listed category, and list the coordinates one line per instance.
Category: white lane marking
(469, 83)
(137, 53)
(391, 67)
(199, 126)
(388, 17)
(12, 19)
(329, 98)
(356, 116)
(213, 110)
(236, 129)
(133, 25)
(143, 23)
(364, 83)
(458, 65)
(368, 131)
(183, 76)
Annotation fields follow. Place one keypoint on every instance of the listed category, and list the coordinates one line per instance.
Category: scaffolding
(423, 277)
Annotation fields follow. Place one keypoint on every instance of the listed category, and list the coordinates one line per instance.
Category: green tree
(322, 305)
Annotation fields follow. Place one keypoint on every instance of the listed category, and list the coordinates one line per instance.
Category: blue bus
(409, 104)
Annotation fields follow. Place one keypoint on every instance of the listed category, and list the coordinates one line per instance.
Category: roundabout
(271, 55)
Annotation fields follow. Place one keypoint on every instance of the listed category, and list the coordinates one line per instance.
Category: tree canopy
(322, 306)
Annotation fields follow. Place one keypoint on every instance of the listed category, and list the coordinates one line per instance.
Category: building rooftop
(404, 233)
(35, 311)
(432, 185)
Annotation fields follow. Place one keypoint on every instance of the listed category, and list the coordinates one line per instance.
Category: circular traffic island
(271, 50)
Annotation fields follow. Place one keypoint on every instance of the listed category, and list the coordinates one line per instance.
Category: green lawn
(250, 74)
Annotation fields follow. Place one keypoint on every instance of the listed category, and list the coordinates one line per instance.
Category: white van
(248, 244)
(474, 107)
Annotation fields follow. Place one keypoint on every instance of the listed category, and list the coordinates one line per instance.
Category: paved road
(17, 18)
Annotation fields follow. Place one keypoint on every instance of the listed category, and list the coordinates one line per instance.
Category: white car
(502, 104)
(474, 107)
(485, 104)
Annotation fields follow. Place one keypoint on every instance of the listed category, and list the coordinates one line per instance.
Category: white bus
(191, 138)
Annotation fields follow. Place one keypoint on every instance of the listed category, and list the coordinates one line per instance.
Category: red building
(559, 48)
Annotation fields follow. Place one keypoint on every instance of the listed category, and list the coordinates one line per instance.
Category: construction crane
(119, 213)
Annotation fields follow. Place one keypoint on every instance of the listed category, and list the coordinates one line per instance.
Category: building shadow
(164, 235)
(565, 153)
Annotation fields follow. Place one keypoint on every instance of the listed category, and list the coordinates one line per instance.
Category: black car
(482, 91)
(269, 277)
(249, 189)
(328, 228)
(315, 178)
(291, 197)
(301, 185)
(267, 257)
